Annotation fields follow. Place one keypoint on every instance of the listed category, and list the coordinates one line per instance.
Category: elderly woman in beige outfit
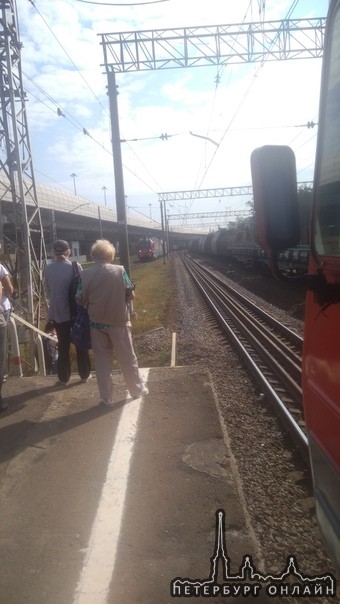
(105, 290)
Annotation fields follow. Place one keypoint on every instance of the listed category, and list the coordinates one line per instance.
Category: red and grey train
(149, 248)
(274, 178)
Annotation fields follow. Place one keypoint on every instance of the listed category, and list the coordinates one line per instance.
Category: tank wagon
(225, 244)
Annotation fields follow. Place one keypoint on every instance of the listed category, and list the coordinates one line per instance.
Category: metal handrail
(16, 348)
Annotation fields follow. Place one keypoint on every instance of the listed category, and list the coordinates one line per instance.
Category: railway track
(272, 352)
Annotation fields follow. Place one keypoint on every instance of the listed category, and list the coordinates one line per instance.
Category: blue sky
(62, 64)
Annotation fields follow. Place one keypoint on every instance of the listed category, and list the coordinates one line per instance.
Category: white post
(41, 356)
(15, 347)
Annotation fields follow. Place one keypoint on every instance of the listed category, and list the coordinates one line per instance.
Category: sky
(252, 105)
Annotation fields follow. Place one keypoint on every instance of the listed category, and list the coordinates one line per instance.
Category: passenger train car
(291, 262)
(274, 177)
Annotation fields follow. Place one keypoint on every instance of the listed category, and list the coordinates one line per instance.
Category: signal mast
(16, 172)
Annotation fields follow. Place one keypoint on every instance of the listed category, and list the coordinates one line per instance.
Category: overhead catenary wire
(62, 112)
(54, 180)
(314, 135)
(68, 56)
(84, 131)
(255, 76)
(76, 124)
(142, 214)
(120, 3)
(163, 136)
(218, 78)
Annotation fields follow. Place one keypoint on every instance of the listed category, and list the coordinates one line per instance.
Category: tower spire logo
(248, 581)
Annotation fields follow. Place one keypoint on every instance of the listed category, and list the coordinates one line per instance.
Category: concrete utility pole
(118, 170)
(16, 171)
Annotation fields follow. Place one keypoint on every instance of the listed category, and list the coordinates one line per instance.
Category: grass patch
(154, 290)
(154, 293)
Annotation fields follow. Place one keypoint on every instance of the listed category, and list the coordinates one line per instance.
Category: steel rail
(274, 380)
(266, 343)
(287, 333)
(264, 340)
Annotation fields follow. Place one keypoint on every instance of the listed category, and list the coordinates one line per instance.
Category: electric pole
(16, 171)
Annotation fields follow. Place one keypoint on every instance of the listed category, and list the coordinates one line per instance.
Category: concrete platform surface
(106, 506)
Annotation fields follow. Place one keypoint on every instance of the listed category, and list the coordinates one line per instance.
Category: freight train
(230, 244)
(240, 247)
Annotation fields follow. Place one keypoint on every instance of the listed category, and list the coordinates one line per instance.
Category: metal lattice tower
(16, 171)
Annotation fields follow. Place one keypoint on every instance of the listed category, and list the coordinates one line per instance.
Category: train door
(321, 368)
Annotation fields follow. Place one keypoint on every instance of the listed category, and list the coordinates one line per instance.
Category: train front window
(327, 219)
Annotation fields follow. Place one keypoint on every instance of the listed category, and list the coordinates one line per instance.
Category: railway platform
(103, 506)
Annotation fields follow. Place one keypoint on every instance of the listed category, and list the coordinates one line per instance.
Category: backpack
(73, 290)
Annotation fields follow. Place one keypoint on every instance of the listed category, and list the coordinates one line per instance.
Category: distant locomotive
(149, 249)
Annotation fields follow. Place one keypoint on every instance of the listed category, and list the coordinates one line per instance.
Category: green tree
(305, 198)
